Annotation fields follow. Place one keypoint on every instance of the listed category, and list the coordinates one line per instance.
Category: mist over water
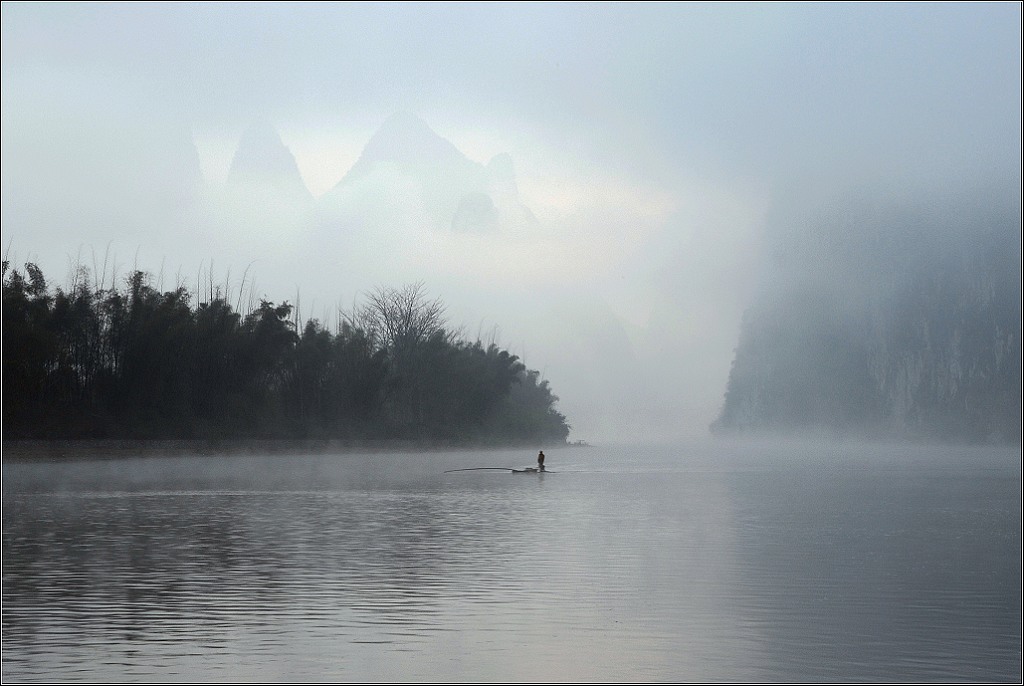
(693, 562)
(763, 220)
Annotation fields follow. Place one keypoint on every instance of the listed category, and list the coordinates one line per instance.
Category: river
(699, 561)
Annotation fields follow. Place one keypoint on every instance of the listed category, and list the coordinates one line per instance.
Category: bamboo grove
(133, 362)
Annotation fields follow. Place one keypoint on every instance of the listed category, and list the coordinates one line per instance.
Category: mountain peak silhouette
(408, 142)
(263, 160)
(456, 192)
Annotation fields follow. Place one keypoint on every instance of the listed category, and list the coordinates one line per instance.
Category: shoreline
(32, 450)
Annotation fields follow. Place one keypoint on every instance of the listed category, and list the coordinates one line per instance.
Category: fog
(596, 187)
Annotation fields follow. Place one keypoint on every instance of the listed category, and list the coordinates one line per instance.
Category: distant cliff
(895, 323)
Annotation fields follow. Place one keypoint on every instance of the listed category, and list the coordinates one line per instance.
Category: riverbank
(94, 449)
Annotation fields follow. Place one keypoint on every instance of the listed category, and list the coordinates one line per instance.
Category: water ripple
(651, 573)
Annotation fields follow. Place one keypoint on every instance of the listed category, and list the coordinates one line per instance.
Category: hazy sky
(653, 142)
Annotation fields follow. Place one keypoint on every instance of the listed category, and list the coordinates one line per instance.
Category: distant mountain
(504, 190)
(264, 165)
(407, 142)
(898, 323)
(263, 208)
(454, 192)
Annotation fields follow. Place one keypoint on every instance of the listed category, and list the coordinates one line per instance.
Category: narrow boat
(524, 470)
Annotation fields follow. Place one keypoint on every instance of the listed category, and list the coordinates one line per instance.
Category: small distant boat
(524, 470)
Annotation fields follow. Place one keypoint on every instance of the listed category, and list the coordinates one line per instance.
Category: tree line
(132, 362)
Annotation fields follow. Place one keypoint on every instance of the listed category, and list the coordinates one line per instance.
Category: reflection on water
(711, 563)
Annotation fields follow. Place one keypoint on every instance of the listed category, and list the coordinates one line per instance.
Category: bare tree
(401, 319)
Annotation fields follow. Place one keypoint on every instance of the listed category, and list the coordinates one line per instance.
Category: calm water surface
(698, 562)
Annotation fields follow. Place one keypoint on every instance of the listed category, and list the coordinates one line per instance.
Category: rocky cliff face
(900, 324)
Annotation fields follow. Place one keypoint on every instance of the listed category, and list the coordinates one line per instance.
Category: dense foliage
(134, 362)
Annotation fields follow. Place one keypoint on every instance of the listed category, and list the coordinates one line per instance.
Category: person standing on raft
(540, 461)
